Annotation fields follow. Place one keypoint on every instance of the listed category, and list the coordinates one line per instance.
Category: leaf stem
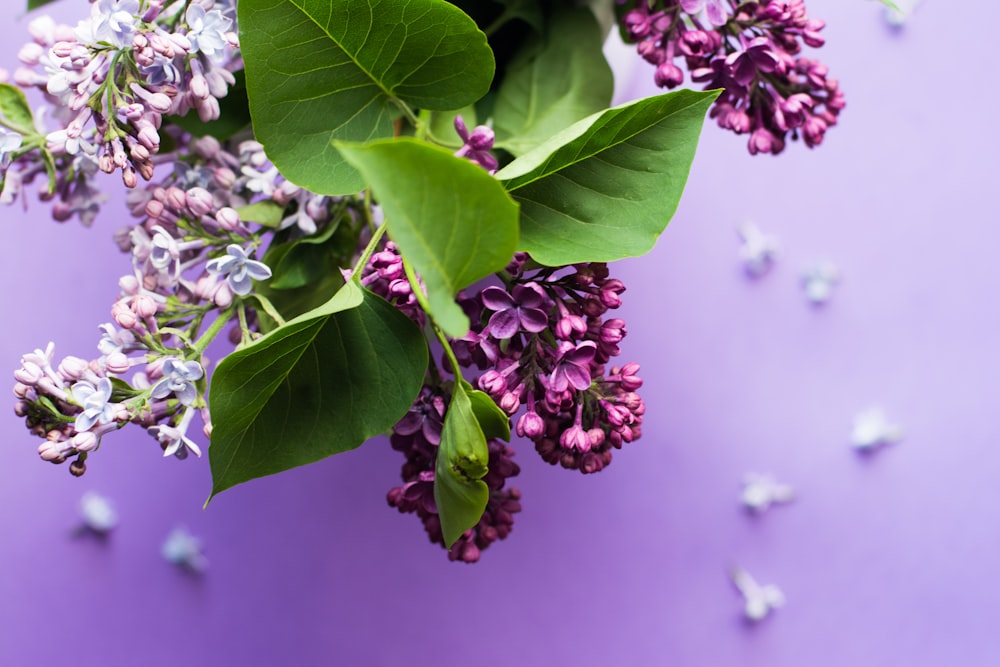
(367, 254)
(268, 308)
(411, 276)
(206, 338)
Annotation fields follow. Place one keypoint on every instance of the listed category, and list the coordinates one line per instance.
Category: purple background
(885, 560)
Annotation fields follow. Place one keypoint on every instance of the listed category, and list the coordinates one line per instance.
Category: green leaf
(267, 213)
(451, 220)
(15, 110)
(311, 258)
(494, 421)
(554, 82)
(35, 4)
(319, 385)
(459, 492)
(322, 70)
(606, 187)
(234, 114)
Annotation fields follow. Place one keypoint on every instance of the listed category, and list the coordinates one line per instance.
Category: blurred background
(884, 559)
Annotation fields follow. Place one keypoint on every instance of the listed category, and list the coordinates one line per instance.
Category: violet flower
(573, 366)
(513, 313)
(179, 379)
(715, 10)
(96, 403)
(238, 269)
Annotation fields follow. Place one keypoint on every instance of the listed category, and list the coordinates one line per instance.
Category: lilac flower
(98, 513)
(477, 145)
(10, 141)
(114, 340)
(174, 440)
(715, 10)
(96, 403)
(207, 31)
(179, 379)
(520, 311)
(756, 56)
(238, 269)
(184, 550)
(572, 367)
(111, 21)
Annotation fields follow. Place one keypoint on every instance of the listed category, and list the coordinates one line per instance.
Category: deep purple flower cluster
(750, 50)
(417, 436)
(543, 343)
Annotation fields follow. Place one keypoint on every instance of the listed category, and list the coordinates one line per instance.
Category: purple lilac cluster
(417, 437)
(542, 342)
(749, 50)
(109, 83)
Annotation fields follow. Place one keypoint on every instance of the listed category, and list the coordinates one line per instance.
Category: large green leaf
(15, 110)
(319, 385)
(557, 80)
(451, 220)
(319, 70)
(606, 187)
(459, 490)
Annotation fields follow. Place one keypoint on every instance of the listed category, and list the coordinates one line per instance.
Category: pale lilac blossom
(239, 269)
(95, 401)
(179, 378)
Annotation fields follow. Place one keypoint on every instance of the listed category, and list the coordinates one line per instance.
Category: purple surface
(885, 560)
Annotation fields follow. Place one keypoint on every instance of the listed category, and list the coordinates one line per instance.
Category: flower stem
(206, 338)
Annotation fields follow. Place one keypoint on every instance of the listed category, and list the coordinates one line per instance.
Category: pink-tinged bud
(224, 296)
(199, 201)
(199, 87)
(86, 441)
(176, 198)
(139, 153)
(228, 218)
(149, 137)
(53, 451)
(180, 42)
(154, 208)
(61, 211)
(129, 178)
(117, 363)
(509, 403)
(77, 468)
(208, 109)
(73, 368)
(207, 147)
(161, 46)
(650, 52)
(129, 285)
(224, 177)
(29, 374)
(21, 390)
(145, 170)
(596, 437)
(144, 306)
(530, 425)
(575, 438)
(668, 75)
(400, 287)
(63, 49)
(22, 408)
(30, 54)
(123, 315)
(493, 383)
(106, 163)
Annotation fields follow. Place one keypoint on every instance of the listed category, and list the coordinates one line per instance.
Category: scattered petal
(872, 429)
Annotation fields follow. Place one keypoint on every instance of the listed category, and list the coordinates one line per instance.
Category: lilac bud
(29, 374)
(144, 306)
(117, 362)
(199, 201)
(175, 198)
(73, 368)
(123, 315)
(668, 75)
(493, 383)
(224, 177)
(530, 425)
(575, 438)
(86, 441)
(129, 285)
(224, 296)
(129, 179)
(509, 403)
(53, 451)
(228, 218)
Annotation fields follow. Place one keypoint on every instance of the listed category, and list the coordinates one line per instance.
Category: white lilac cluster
(110, 83)
(192, 274)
